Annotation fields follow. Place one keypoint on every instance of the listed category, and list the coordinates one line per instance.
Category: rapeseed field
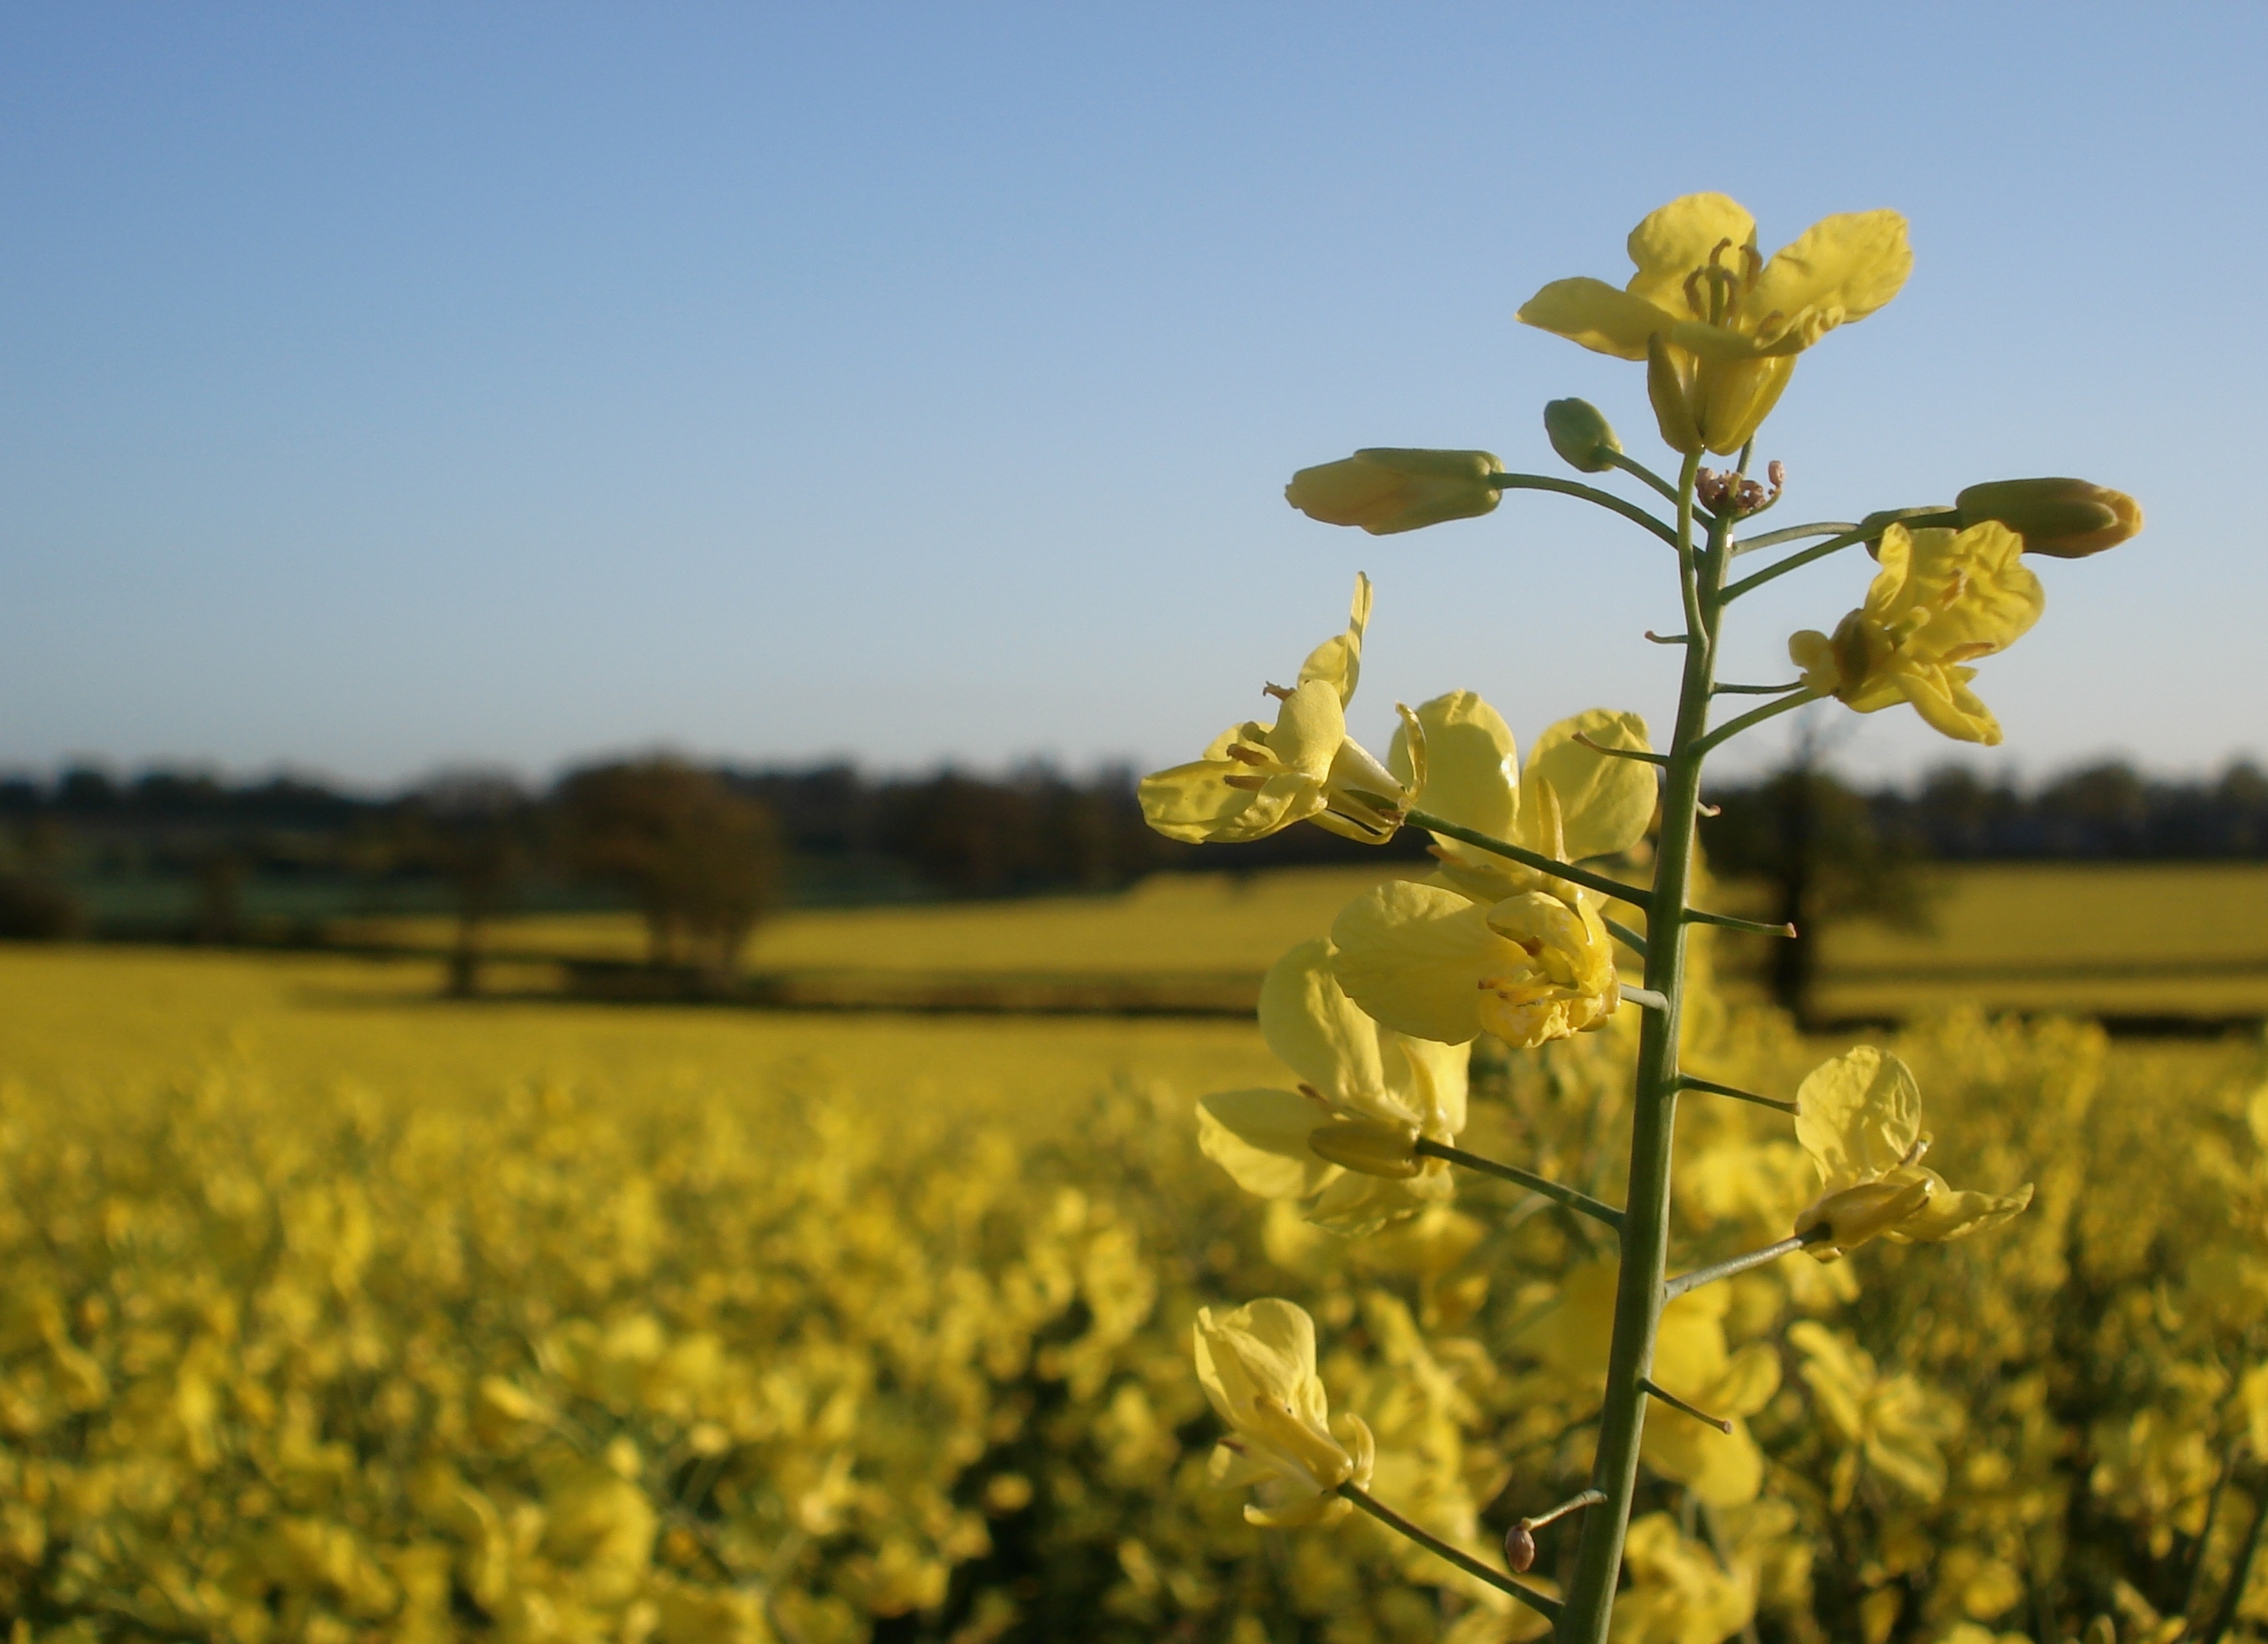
(336, 1312)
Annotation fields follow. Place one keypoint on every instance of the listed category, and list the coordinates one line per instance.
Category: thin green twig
(1608, 500)
(1793, 534)
(1528, 1179)
(1753, 718)
(1716, 1089)
(1463, 1560)
(1671, 1288)
(1536, 859)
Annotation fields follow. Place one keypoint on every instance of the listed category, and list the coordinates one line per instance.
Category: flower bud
(1387, 489)
(2064, 519)
(1520, 1548)
(1580, 434)
(1371, 1146)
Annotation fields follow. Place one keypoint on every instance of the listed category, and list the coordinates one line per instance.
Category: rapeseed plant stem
(2225, 1618)
(1725, 921)
(1673, 1289)
(1462, 1559)
(1793, 534)
(1645, 1214)
(1626, 936)
(1608, 500)
(1536, 859)
(1527, 1179)
(1796, 697)
(1716, 1089)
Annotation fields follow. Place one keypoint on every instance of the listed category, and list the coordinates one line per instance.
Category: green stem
(1753, 718)
(1716, 1089)
(1873, 526)
(1637, 469)
(1793, 534)
(1608, 500)
(1626, 936)
(1463, 1560)
(1525, 857)
(1527, 1179)
(1673, 1289)
(2232, 1596)
(1645, 1208)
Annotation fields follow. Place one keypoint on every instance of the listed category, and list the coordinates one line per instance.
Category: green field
(2151, 940)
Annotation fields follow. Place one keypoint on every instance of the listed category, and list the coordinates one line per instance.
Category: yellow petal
(1315, 1030)
(1605, 804)
(1355, 1204)
(1681, 237)
(1725, 1470)
(1955, 1215)
(1555, 936)
(1337, 661)
(1414, 956)
(1857, 1115)
(1470, 751)
(1596, 315)
(1735, 399)
(1942, 698)
(1841, 268)
(1260, 1138)
(1194, 803)
(1308, 731)
(1747, 1383)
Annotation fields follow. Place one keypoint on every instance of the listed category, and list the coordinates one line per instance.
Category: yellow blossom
(1680, 1591)
(1256, 779)
(1893, 1423)
(1387, 489)
(1720, 326)
(1487, 944)
(1359, 1081)
(1941, 599)
(1257, 1366)
(1860, 1118)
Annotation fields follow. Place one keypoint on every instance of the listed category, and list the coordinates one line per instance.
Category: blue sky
(396, 387)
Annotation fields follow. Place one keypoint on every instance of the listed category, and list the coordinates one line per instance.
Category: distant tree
(1817, 844)
(475, 829)
(220, 894)
(34, 906)
(700, 862)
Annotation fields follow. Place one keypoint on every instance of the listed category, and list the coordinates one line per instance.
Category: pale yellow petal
(1194, 803)
(1469, 777)
(1430, 1079)
(1955, 1215)
(1941, 696)
(1315, 1030)
(1725, 1470)
(1595, 315)
(1747, 1383)
(1605, 804)
(1839, 270)
(1310, 729)
(1857, 1115)
(1683, 236)
(1260, 1138)
(1733, 399)
(1414, 956)
(1337, 661)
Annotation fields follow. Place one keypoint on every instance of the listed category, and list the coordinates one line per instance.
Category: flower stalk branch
(1465, 1561)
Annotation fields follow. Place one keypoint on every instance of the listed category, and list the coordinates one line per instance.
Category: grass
(2156, 939)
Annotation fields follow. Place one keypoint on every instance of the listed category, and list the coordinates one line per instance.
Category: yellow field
(338, 1312)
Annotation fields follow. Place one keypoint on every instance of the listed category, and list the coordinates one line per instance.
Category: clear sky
(389, 387)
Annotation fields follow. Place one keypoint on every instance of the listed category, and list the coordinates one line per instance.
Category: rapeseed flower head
(1257, 1366)
(1718, 325)
(2063, 518)
(1256, 779)
(1388, 489)
(1345, 1140)
(1942, 599)
(1486, 944)
(1859, 1116)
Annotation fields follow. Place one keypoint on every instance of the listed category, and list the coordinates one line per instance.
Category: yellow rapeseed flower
(1720, 326)
(1487, 944)
(1942, 599)
(1366, 1087)
(1256, 779)
(1257, 1366)
(1860, 1118)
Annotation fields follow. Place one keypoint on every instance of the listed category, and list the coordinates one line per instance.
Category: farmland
(342, 1311)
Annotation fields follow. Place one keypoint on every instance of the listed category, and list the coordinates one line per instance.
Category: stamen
(1693, 295)
(1250, 785)
(1314, 1095)
(1276, 691)
(1246, 754)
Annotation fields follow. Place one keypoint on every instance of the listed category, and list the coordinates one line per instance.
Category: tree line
(703, 852)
